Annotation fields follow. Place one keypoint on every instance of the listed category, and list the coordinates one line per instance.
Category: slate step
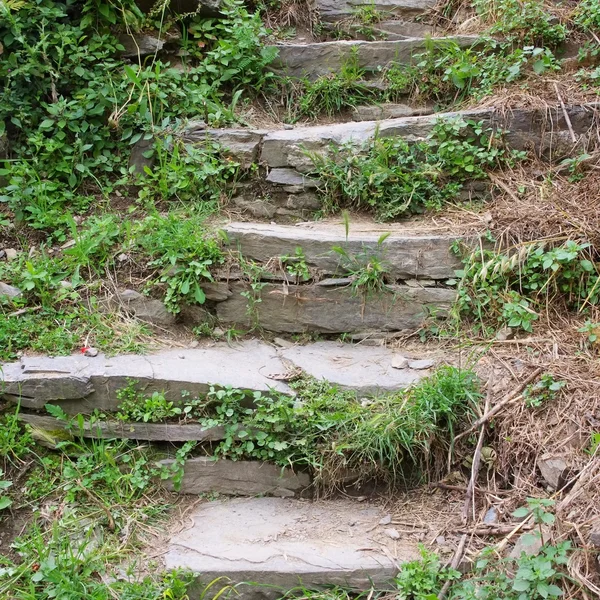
(267, 546)
(289, 196)
(335, 10)
(317, 59)
(406, 254)
(81, 384)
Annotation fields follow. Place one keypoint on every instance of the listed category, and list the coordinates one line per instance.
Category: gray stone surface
(405, 28)
(322, 58)
(283, 543)
(82, 384)
(168, 432)
(140, 44)
(9, 291)
(146, 309)
(302, 308)
(242, 145)
(203, 475)
(364, 369)
(542, 130)
(290, 177)
(405, 255)
(552, 468)
(335, 10)
(377, 112)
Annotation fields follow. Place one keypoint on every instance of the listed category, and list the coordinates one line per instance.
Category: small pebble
(91, 352)
(440, 540)
(287, 126)
(491, 516)
(123, 257)
(421, 364)
(182, 356)
(386, 520)
(392, 533)
(194, 344)
(399, 362)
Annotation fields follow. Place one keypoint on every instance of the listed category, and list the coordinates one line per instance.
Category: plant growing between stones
(392, 177)
(367, 269)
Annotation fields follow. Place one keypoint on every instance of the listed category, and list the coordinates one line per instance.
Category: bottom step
(272, 545)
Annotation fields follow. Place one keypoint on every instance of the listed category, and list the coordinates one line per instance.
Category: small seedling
(544, 390)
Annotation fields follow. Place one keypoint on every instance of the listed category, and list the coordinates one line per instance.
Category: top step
(323, 58)
(334, 10)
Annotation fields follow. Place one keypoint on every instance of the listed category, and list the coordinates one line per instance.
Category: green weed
(506, 288)
(543, 391)
(392, 177)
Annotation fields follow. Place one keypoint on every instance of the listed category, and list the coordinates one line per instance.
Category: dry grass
(535, 203)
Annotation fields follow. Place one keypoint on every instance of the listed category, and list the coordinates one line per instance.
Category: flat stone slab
(406, 255)
(539, 129)
(313, 307)
(168, 432)
(283, 543)
(366, 369)
(335, 10)
(203, 475)
(81, 384)
(322, 58)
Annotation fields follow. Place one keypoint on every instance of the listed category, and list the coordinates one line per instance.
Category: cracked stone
(284, 542)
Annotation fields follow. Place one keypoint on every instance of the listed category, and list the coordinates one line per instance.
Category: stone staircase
(281, 543)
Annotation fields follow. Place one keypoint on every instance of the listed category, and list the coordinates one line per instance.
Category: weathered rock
(168, 432)
(284, 543)
(334, 10)
(10, 254)
(146, 309)
(242, 145)
(525, 129)
(405, 28)
(419, 365)
(552, 469)
(9, 291)
(238, 478)
(399, 362)
(216, 291)
(530, 543)
(141, 44)
(405, 255)
(301, 308)
(290, 177)
(392, 533)
(138, 163)
(322, 58)
(80, 385)
(377, 112)
(257, 207)
(366, 370)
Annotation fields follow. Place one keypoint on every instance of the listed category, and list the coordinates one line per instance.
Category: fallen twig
(498, 407)
(492, 529)
(460, 550)
(463, 489)
(470, 494)
(565, 114)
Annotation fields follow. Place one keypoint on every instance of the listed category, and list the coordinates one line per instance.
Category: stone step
(332, 306)
(268, 546)
(81, 384)
(323, 58)
(546, 132)
(334, 10)
(405, 254)
(204, 475)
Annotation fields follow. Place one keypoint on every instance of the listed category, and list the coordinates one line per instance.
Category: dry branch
(498, 407)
